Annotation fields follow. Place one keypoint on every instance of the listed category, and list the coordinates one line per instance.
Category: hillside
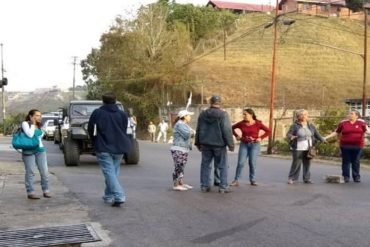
(307, 75)
(22, 102)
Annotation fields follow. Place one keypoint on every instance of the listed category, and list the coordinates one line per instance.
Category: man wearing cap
(213, 135)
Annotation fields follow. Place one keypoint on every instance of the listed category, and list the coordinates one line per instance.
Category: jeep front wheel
(71, 152)
(133, 157)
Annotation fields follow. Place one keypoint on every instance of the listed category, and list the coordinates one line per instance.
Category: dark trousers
(219, 155)
(299, 158)
(350, 156)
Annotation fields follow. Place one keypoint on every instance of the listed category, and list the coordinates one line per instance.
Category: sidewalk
(17, 212)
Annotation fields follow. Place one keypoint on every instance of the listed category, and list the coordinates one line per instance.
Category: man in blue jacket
(108, 131)
(212, 137)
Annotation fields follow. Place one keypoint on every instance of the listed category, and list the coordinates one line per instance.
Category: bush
(281, 146)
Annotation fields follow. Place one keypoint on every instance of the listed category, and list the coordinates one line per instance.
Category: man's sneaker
(205, 189)
(179, 188)
(189, 187)
(346, 179)
(234, 183)
(308, 182)
(254, 183)
(224, 190)
(117, 203)
(290, 181)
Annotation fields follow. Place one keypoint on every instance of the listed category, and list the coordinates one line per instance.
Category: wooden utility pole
(273, 78)
(74, 76)
(364, 100)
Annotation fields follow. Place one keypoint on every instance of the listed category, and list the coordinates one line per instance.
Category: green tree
(355, 5)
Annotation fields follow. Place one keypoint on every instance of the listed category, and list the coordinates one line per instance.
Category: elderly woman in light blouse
(302, 134)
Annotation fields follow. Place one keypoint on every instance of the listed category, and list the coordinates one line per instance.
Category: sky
(41, 37)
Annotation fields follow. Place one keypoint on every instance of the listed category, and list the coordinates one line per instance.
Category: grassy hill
(308, 75)
(22, 102)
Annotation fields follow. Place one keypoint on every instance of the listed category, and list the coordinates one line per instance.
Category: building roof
(332, 2)
(240, 6)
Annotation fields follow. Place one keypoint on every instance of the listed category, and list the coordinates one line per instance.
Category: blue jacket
(111, 130)
(214, 129)
(182, 135)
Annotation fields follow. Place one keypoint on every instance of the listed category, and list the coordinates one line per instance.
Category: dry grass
(307, 75)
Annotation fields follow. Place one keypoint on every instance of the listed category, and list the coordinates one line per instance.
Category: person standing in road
(32, 126)
(107, 129)
(182, 134)
(163, 127)
(352, 132)
(302, 134)
(250, 146)
(213, 135)
(152, 129)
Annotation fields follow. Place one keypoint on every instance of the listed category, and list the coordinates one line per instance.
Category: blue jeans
(248, 151)
(110, 165)
(30, 161)
(219, 154)
(351, 156)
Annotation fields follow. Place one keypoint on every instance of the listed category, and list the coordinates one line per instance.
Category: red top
(352, 134)
(251, 132)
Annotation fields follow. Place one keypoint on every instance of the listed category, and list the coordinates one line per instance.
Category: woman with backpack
(302, 135)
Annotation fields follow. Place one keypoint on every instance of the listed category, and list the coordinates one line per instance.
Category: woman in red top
(352, 132)
(250, 138)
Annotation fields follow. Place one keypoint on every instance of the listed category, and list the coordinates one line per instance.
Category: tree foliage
(143, 59)
(356, 5)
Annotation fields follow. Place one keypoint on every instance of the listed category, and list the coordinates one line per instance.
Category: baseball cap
(215, 99)
(184, 113)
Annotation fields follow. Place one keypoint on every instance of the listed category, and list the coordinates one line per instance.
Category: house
(356, 104)
(240, 8)
(327, 8)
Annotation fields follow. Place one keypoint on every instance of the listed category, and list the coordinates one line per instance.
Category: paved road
(273, 214)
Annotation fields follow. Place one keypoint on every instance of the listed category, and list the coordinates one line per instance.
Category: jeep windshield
(85, 110)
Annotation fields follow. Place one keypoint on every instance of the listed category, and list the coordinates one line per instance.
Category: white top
(304, 139)
(163, 126)
(30, 131)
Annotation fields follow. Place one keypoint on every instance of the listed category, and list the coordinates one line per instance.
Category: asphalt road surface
(273, 214)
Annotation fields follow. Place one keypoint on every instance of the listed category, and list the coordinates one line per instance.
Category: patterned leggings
(179, 159)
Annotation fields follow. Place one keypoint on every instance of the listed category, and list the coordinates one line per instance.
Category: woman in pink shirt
(250, 147)
(352, 132)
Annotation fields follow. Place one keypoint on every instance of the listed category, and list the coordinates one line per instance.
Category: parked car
(61, 131)
(49, 129)
(76, 140)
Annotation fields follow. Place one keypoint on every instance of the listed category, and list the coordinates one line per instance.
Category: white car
(49, 129)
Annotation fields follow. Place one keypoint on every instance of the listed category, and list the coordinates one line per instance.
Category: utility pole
(364, 100)
(74, 76)
(3, 87)
(273, 78)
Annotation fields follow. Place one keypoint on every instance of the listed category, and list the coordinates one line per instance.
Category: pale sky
(40, 37)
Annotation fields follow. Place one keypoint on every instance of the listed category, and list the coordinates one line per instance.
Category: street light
(273, 72)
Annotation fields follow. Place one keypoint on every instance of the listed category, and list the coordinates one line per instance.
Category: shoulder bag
(21, 141)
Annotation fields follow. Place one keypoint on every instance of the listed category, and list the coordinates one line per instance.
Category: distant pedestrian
(182, 134)
(152, 129)
(132, 123)
(163, 127)
(212, 136)
(107, 129)
(249, 149)
(302, 134)
(31, 158)
(352, 132)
